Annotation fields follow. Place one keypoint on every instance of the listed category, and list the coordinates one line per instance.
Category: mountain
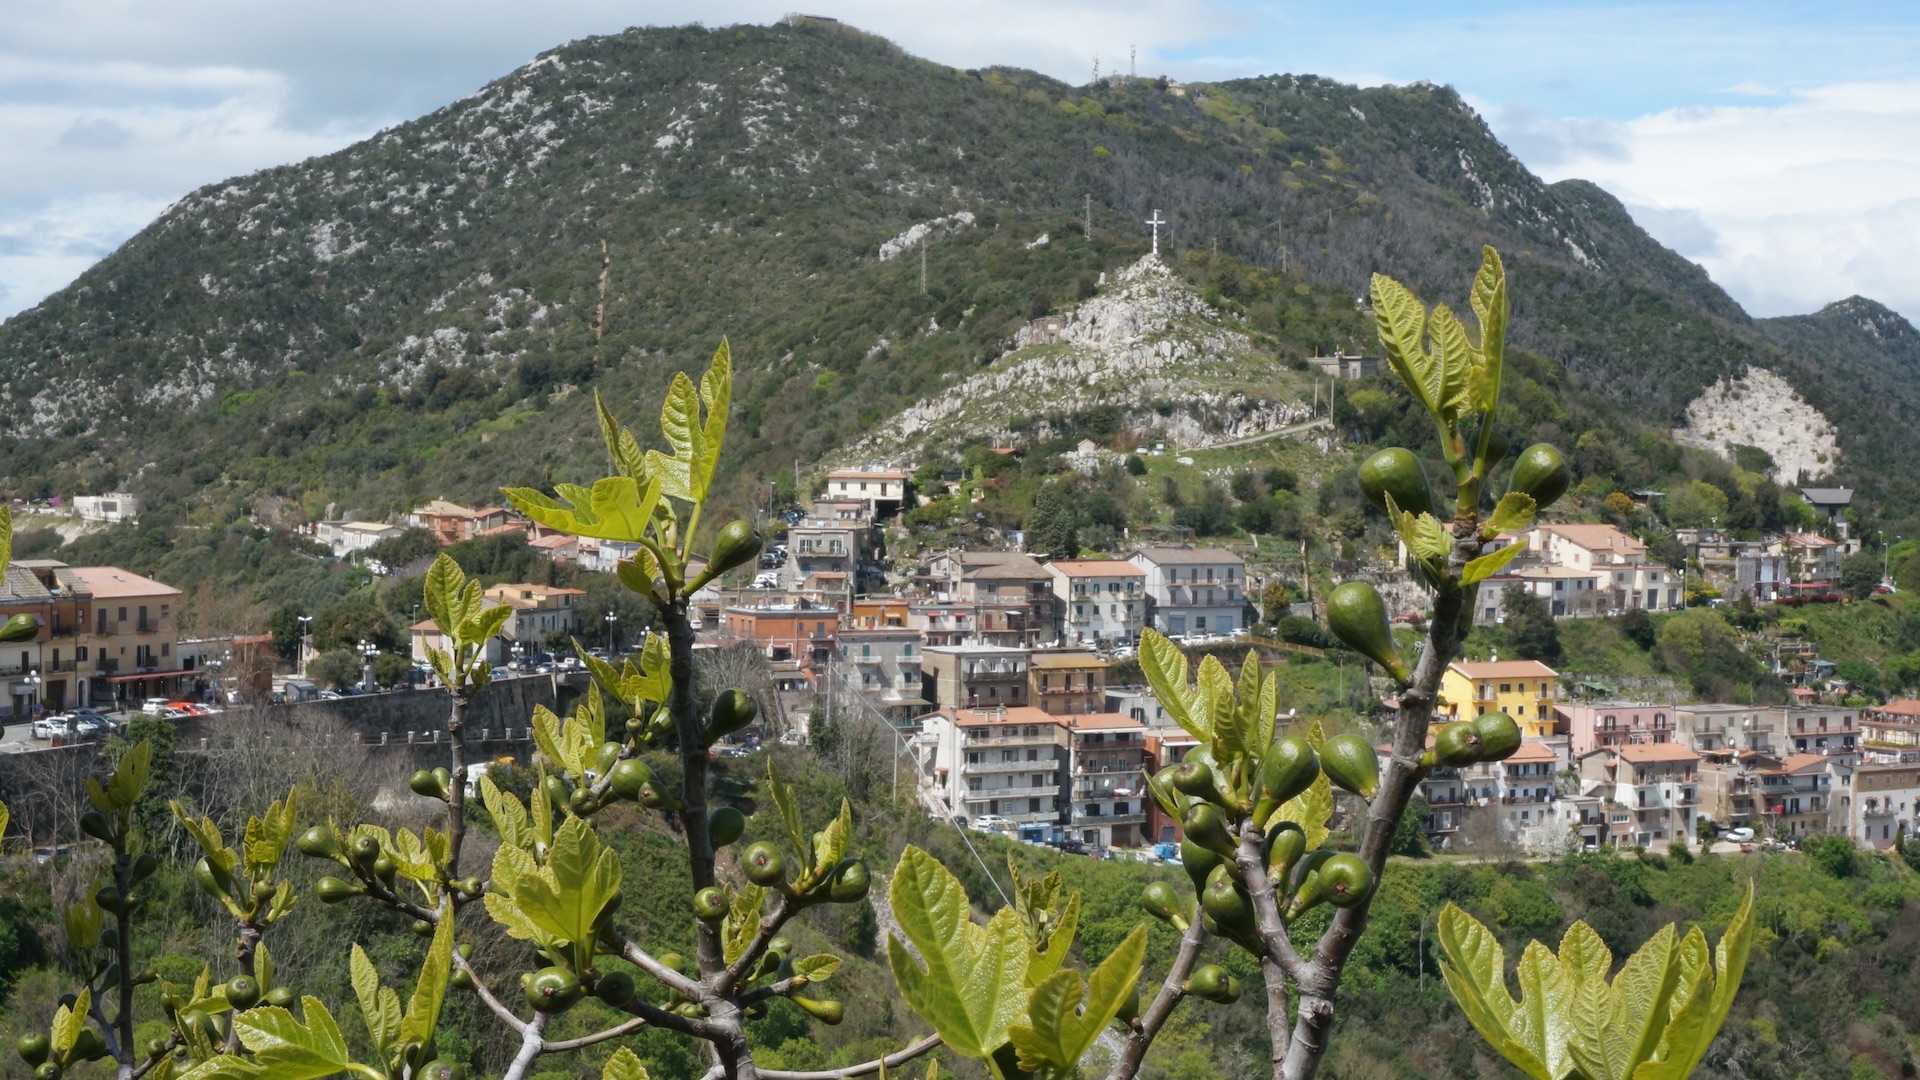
(420, 314)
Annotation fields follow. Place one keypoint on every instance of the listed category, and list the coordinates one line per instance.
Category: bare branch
(493, 1004)
(891, 1061)
(532, 1041)
(643, 960)
(616, 1032)
(1171, 991)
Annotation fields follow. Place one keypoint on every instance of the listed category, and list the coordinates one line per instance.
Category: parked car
(52, 727)
(154, 706)
(89, 726)
(1072, 847)
(989, 823)
(1742, 835)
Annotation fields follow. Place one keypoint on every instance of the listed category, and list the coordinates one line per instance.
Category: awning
(146, 675)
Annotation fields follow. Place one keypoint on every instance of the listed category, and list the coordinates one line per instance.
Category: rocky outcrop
(1764, 410)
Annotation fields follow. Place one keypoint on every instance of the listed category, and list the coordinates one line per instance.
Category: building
(1797, 796)
(1891, 732)
(1749, 728)
(1592, 725)
(974, 676)
(52, 671)
(1012, 594)
(1526, 787)
(786, 633)
(1884, 803)
(1812, 560)
(875, 613)
(348, 537)
(1832, 503)
(1067, 682)
(884, 664)
(825, 556)
(1107, 754)
(1655, 786)
(1523, 689)
(1568, 593)
(130, 635)
(540, 612)
(114, 506)
(426, 637)
(1002, 762)
(1622, 575)
(883, 491)
(1166, 745)
(558, 546)
(1139, 703)
(1342, 366)
(942, 624)
(1193, 590)
(1099, 600)
(452, 523)
(1830, 731)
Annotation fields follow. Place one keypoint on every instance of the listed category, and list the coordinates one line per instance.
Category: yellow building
(1523, 689)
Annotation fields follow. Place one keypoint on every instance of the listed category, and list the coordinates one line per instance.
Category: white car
(1742, 835)
(154, 706)
(52, 727)
(989, 823)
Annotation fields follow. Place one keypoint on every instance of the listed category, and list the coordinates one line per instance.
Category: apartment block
(1067, 682)
(974, 676)
(1001, 762)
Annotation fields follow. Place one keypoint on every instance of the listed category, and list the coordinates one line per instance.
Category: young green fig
(95, 824)
(317, 843)
(605, 757)
(1196, 779)
(1211, 982)
(441, 1069)
(1500, 736)
(763, 864)
(1396, 471)
(1457, 744)
(87, 1046)
(1207, 826)
(614, 988)
(1542, 473)
(732, 711)
(332, 890)
(553, 990)
(1358, 617)
(827, 1012)
(1287, 768)
(46, 1070)
(242, 992)
(1345, 879)
(725, 825)
(735, 546)
(33, 1047)
(711, 904)
(1286, 844)
(1227, 903)
(424, 784)
(1350, 762)
(850, 882)
(19, 628)
(364, 851)
(1198, 862)
(282, 996)
(213, 877)
(630, 776)
(1158, 900)
(145, 865)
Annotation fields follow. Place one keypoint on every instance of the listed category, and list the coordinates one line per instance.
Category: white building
(1882, 803)
(883, 491)
(1617, 563)
(1193, 590)
(1108, 752)
(1099, 599)
(114, 506)
(1005, 763)
(347, 537)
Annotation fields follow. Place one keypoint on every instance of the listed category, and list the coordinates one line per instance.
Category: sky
(1775, 143)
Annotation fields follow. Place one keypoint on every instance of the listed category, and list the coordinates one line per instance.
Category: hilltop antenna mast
(1086, 226)
(1132, 52)
(1096, 69)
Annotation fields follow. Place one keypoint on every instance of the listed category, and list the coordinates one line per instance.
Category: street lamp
(611, 619)
(368, 651)
(33, 692)
(306, 644)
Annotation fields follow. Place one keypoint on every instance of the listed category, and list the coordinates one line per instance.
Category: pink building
(1595, 725)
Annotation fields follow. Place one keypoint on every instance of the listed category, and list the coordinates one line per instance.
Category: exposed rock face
(1146, 344)
(1762, 409)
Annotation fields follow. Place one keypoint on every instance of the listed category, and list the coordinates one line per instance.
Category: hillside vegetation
(397, 320)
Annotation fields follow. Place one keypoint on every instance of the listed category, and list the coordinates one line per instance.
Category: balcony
(1098, 768)
(1081, 817)
(1045, 765)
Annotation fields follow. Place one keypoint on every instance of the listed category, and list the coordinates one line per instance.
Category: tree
(1275, 601)
(1859, 573)
(1696, 504)
(1052, 527)
(391, 668)
(336, 668)
(349, 623)
(1530, 628)
(1256, 809)
(1410, 838)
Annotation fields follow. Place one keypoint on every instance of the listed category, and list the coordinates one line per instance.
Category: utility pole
(923, 269)
(1132, 54)
(1086, 226)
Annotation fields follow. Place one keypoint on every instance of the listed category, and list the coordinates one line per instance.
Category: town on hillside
(1007, 677)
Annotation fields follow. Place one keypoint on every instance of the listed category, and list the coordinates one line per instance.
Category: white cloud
(1790, 204)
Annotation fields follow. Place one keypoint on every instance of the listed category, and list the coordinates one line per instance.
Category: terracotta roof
(553, 540)
(113, 583)
(1504, 669)
(1066, 658)
(869, 474)
(1103, 721)
(1012, 715)
(443, 508)
(1534, 750)
(1907, 707)
(1164, 555)
(1650, 752)
(1596, 537)
(1096, 568)
(1803, 762)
